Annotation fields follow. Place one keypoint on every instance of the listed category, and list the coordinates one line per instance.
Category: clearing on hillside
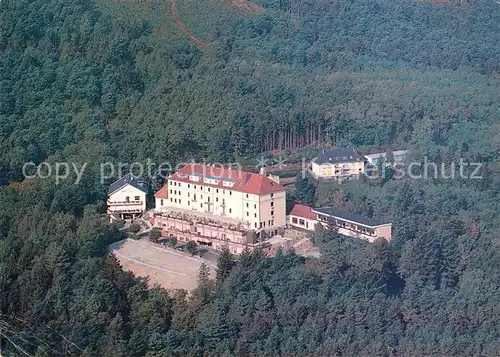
(183, 27)
(163, 266)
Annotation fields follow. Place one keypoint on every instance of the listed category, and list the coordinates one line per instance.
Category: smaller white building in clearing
(126, 198)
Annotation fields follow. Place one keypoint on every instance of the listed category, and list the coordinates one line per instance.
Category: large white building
(252, 199)
(126, 198)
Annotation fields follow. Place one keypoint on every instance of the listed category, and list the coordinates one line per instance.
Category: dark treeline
(76, 78)
(90, 82)
(432, 291)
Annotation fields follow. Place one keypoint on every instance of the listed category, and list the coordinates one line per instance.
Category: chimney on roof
(274, 178)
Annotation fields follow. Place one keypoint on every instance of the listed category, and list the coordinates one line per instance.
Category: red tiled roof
(303, 211)
(247, 182)
(162, 192)
(258, 185)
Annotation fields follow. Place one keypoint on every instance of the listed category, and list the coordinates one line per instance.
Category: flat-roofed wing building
(345, 223)
(353, 225)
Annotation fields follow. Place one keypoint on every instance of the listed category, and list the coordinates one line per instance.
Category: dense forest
(93, 81)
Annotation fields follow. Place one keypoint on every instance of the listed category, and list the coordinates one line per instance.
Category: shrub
(119, 223)
(155, 233)
(134, 227)
(191, 246)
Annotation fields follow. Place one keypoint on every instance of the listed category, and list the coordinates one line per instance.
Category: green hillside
(123, 81)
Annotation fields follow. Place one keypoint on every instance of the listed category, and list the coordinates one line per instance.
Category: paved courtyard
(164, 266)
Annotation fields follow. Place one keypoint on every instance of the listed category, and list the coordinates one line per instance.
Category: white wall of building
(161, 203)
(272, 210)
(301, 222)
(338, 169)
(128, 198)
(257, 210)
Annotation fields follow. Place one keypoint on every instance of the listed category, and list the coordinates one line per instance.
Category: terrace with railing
(124, 203)
(205, 219)
(125, 206)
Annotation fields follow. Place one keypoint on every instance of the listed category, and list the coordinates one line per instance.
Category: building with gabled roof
(161, 197)
(222, 177)
(127, 198)
(337, 163)
(302, 216)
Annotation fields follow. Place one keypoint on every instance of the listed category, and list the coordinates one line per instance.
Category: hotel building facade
(242, 200)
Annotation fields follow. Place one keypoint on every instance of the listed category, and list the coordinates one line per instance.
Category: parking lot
(167, 267)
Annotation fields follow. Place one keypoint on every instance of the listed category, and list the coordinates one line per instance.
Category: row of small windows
(272, 195)
(174, 183)
(255, 214)
(175, 192)
(300, 221)
(347, 225)
(263, 224)
(216, 200)
(136, 198)
(175, 200)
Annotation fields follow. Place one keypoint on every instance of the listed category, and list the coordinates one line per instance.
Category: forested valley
(121, 81)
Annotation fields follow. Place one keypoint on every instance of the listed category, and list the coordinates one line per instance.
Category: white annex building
(127, 198)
